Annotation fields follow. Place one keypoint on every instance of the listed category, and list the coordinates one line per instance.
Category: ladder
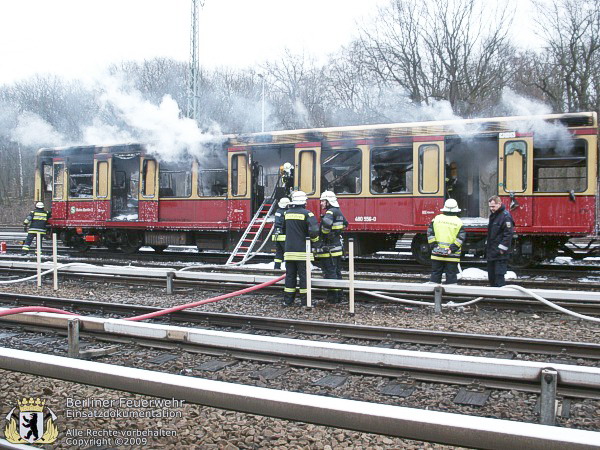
(250, 237)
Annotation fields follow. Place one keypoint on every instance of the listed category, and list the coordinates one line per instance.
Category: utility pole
(194, 69)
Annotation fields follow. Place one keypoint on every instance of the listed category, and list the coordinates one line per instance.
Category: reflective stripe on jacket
(278, 236)
(37, 221)
(444, 231)
(333, 223)
(298, 224)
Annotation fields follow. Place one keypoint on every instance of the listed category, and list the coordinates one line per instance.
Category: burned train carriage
(390, 180)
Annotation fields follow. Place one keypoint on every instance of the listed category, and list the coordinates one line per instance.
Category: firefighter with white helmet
(35, 225)
(446, 235)
(287, 178)
(298, 224)
(329, 254)
(279, 237)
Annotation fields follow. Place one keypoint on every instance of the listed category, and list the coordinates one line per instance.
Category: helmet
(287, 166)
(450, 206)
(283, 202)
(299, 198)
(330, 197)
(39, 205)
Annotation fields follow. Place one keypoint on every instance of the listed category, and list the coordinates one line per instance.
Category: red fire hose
(162, 312)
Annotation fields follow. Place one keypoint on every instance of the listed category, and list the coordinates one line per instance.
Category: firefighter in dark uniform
(35, 225)
(445, 236)
(298, 224)
(501, 228)
(279, 237)
(329, 254)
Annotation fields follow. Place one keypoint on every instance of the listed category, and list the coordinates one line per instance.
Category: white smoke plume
(32, 130)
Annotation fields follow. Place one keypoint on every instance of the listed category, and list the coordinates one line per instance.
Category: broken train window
(391, 170)
(175, 179)
(341, 171)
(560, 167)
(81, 175)
(212, 176)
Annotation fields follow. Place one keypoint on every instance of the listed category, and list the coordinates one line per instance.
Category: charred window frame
(81, 179)
(560, 168)
(239, 167)
(175, 180)
(512, 150)
(58, 181)
(47, 178)
(341, 171)
(307, 171)
(212, 177)
(429, 179)
(391, 170)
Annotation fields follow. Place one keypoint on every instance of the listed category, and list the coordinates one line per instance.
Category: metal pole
(39, 259)
(73, 337)
(308, 278)
(351, 273)
(55, 261)
(170, 278)
(263, 103)
(548, 397)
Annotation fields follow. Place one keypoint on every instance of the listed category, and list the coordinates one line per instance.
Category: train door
(148, 198)
(239, 188)
(428, 186)
(307, 173)
(515, 174)
(59, 192)
(43, 182)
(125, 186)
(101, 189)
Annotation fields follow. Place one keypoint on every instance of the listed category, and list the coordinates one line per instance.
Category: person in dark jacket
(279, 237)
(501, 228)
(298, 224)
(445, 236)
(329, 254)
(35, 225)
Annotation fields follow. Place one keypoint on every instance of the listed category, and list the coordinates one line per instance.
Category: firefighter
(35, 225)
(278, 237)
(298, 224)
(445, 236)
(501, 228)
(329, 254)
(287, 178)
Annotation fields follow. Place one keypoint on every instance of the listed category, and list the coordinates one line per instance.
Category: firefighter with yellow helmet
(446, 235)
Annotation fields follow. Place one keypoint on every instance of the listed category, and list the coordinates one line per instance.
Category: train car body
(389, 179)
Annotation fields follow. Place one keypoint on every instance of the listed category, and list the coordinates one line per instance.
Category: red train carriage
(390, 180)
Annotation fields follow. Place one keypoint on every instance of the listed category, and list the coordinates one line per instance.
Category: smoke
(32, 130)
(167, 134)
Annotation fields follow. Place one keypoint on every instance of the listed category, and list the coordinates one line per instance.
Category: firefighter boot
(277, 266)
(288, 299)
(303, 301)
(331, 296)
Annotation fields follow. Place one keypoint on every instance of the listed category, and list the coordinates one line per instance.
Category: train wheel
(159, 248)
(131, 243)
(81, 246)
(420, 249)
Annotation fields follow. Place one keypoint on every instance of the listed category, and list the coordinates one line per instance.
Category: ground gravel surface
(211, 428)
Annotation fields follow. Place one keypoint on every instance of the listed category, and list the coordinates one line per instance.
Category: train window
(212, 177)
(429, 164)
(81, 175)
(239, 169)
(391, 170)
(560, 167)
(175, 180)
(58, 181)
(341, 171)
(515, 166)
(308, 171)
(149, 178)
(102, 180)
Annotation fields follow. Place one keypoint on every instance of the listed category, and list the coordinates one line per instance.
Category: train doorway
(266, 163)
(471, 173)
(125, 186)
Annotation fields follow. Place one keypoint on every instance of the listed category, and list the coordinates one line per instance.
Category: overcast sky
(79, 38)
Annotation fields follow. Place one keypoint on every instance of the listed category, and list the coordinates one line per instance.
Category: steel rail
(339, 330)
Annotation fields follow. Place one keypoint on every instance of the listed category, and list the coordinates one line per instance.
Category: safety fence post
(351, 274)
(170, 279)
(73, 337)
(437, 297)
(38, 241)
(55, 261)
(548, 397)
(308, 274)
